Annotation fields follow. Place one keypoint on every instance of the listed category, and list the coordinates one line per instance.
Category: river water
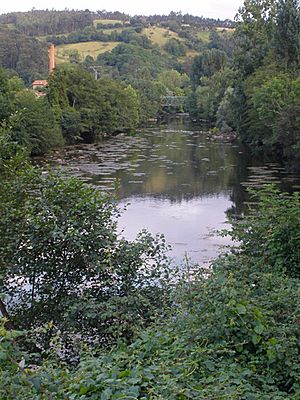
(174, 180)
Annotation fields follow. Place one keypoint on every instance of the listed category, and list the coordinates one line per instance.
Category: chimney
(51, 59)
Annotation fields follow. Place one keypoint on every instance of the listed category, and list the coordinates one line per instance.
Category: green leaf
(209, 365)
(241, 309)
(83, 390)
(255, 339)
(259, 328)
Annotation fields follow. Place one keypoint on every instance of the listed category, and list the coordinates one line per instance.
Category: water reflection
(176, 180)
(187, 224)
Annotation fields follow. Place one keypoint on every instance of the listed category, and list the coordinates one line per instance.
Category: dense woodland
(89, 315)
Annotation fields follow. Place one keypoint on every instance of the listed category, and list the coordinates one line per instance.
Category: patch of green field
(109, 31)
(63, 51)
(46, 36)
(106, 22)
(10, 26)
(204, 36)
(221, 29)
(159, 36)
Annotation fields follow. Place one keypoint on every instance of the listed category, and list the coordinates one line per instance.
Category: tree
(87, 107)
(33, 123)
(211, 92)
(6, 96)
(254, 32)
(277, 103)
(287, 32)
(150, 95)
(23, 55)
(206, 64)
(176, 82)
(175, 47)
(63, 262)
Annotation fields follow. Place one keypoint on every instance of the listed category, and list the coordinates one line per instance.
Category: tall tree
(287, 32)
(254, 30)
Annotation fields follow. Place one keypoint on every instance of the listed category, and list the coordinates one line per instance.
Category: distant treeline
(52, 22)
(180, 18)
(46, 22)
(90, 34)
(26, 56)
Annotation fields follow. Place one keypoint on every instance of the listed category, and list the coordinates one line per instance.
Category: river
(174, 180)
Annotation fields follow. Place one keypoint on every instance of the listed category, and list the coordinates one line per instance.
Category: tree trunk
(5, 314)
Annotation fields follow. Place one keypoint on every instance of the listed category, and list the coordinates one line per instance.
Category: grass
(192, 53)
(159, 36)
(204, 36)
(221, 29)
(106, 22)
(84, 49)
(109, 31)
(10, 26)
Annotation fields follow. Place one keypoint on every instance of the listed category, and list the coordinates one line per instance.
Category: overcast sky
(208, 8)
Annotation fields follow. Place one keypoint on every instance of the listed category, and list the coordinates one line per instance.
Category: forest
(87, 314)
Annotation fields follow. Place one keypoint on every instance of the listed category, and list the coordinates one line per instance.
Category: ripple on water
(135, 182)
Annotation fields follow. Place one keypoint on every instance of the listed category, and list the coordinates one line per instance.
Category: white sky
(208, 8)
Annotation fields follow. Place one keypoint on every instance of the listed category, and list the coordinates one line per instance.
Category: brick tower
(51, 59)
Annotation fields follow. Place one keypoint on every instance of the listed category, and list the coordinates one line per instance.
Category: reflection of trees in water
(175, 162)
(182, 165)
(251, 171)
(237, 197)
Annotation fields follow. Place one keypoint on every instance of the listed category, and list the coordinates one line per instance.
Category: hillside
(82, 50)
(159, 35)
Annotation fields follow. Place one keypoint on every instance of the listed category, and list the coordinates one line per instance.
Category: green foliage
(64, 265)
(150, 97)
(253, 34)
(23, 55)
(43, 22)
(287, 32)
(87, 108)
(175, 47)
(277, 103)
(31, 120)
(207, 64)
(6, 95)
(262, 100)
(211, 92)
(33, 124)
(12, 366)
(131, 61)
(233, 333)
(270, 231)
(174, 81)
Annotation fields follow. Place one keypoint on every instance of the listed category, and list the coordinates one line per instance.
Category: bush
(175, 47)
(270, 231)
(63, 264)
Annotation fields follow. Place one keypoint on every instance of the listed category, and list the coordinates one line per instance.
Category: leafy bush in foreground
(63, 266)
(226, 340)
